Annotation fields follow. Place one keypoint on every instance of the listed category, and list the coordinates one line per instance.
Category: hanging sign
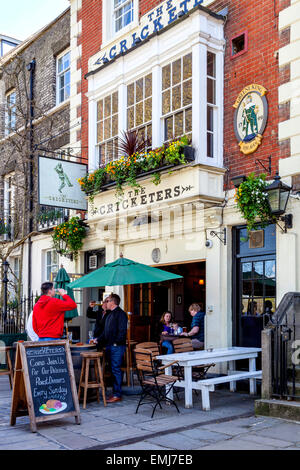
(44, 383)
(250, 118)
(58, 183)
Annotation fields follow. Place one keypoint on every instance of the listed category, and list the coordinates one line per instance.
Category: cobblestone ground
(230, 425)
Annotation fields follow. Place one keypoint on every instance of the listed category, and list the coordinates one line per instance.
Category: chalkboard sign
(44, 371)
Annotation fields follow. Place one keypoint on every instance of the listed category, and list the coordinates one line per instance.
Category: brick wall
(258, 65)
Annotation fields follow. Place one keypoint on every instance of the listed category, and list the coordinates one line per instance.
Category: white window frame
(59, 74)
(10, 113)
(51, 265)
(113, 138)
(108, 25)
(145, 124)
(214, 108)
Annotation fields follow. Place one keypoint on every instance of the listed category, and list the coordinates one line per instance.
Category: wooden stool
(87, 357)
(9, 371)
(128, 361)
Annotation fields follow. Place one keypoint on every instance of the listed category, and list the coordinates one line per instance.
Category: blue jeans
(49, 339)
(169, 346)
(115, 356)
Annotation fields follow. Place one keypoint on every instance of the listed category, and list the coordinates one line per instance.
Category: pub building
(161, 72)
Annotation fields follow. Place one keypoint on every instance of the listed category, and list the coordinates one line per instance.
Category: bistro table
(197, 358)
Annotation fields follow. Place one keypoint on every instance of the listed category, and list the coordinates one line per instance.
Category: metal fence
(286, 349)
(14, 321)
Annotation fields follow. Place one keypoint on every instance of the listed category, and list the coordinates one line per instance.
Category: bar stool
(84, 382)
(9, 371)
(128, 366)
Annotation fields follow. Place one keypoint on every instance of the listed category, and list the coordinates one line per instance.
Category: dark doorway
(254, 284)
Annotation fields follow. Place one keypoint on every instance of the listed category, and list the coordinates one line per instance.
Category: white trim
(108, 34)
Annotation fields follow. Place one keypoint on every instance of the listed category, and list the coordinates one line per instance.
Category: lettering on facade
(153, 22)
(138, 198)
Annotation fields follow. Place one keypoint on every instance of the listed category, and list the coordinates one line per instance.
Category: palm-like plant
(132, 143)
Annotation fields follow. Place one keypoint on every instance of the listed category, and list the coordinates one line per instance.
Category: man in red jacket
(48, 313)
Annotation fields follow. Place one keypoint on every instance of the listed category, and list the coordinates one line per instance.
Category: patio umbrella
(123, 272)
(62, 281)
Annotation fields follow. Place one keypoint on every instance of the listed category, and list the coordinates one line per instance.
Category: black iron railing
(14, 320)
(286, 348)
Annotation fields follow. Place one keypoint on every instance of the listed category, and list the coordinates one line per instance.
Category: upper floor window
(139, 108)
(211, 102)
(51, 264)
(107, 128)
(9, 204)
(123, 13)
(177, 98)
(10, 112)
(63, 77)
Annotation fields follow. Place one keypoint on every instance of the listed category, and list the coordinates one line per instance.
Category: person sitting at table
(197, 326)
(165, 330)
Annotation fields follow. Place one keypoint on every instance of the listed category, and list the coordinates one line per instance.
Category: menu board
(44, 375)
(49, 379)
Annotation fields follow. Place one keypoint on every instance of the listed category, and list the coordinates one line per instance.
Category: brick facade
(51, 124)
(258, 65)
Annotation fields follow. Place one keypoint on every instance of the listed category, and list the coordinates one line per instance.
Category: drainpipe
(31, 69)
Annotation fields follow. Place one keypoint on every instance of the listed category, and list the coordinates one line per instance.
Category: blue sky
(21, 18)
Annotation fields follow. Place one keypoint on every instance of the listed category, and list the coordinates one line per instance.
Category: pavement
(230, 425)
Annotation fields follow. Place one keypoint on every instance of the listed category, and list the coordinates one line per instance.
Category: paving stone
(235, 445)
(228, 427)
(202, 434)
(283, 430)
(176, 441)
(145, 445)
(265, 441)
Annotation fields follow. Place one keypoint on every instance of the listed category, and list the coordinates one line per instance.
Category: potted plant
(68, 236)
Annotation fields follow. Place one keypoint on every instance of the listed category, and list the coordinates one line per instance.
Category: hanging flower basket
(252, 202)
(68, 237)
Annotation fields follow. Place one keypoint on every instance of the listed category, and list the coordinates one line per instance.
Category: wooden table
(198, 358)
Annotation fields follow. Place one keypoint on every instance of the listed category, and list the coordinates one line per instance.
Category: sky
(19, 19)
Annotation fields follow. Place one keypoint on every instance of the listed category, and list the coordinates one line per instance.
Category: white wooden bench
(188, 360)
(208, 385)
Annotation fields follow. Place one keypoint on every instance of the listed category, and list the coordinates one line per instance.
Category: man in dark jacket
(100, 315)
(114, 340)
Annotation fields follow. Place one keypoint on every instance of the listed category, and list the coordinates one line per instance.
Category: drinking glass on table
(90, 335)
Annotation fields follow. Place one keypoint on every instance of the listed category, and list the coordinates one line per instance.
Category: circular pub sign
(250, 117)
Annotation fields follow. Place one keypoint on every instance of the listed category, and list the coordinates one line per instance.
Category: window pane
(149, 134)
(100, 131)
(258, 269)
(148, 86)
(100, 110)
(270, 287)
(115, 125)
(187, 93)
(258, 287)
(270, 268)
(176, 72)
(210, 118)
(188, 120)
(166, 102)
(176, 97)
(130, 94)
(107, 106)
(169, 128)
(247, 288)
(166, 80)
(211, 64)
(148, 110)
(107, 127)
(178, 124)
(210, 145)
(139, 90)
(187, 66)
(247, 270)
(130, 117)
(211, 86)
(139, 114)
(115, 103)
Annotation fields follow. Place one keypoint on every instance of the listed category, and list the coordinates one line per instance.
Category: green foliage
(252, 202)
(72, 233)
(127, 169)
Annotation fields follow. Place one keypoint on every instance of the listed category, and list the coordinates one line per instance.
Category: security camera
(208, 244)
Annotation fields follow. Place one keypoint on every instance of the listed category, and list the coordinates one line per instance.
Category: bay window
(107, 128)
(139, 108)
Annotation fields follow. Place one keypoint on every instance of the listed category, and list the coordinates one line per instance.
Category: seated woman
(165, 329)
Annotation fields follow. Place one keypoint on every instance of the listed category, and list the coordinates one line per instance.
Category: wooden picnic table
(197, 358)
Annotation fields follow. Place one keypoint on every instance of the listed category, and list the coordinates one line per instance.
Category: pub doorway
(148, 302)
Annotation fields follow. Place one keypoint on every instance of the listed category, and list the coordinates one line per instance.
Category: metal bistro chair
(182, 345)
(155, 384)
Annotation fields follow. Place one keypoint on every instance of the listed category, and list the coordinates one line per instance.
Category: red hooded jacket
(48, 315)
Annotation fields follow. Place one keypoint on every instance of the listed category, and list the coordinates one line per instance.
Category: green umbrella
(122, 272)
(62, 281)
